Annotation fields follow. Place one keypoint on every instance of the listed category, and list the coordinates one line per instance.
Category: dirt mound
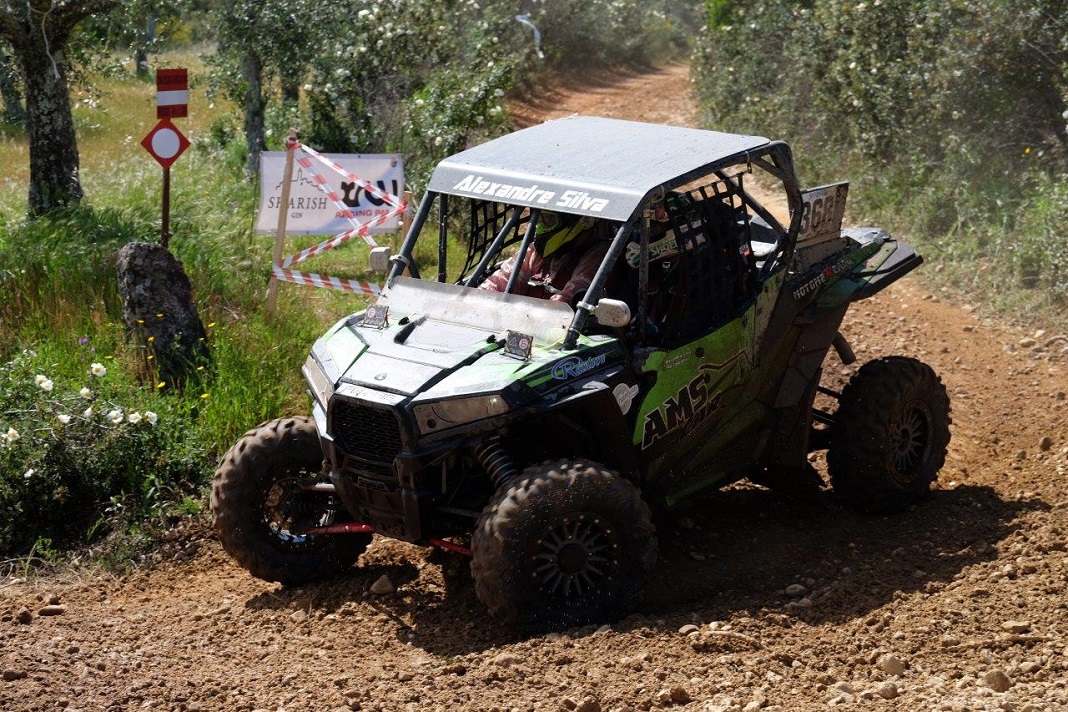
(758, 602)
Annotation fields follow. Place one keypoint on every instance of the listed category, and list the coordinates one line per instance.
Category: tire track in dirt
(758, 602)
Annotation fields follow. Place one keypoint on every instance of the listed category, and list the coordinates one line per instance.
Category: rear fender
(890, 262)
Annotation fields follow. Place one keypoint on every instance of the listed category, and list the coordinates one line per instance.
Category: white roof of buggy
(587, 165)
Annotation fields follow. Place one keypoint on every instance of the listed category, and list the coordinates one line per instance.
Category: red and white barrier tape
(359, 229)
(370, 188)
(341, 239)
(351, 286)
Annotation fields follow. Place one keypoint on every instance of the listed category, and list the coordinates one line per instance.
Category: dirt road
(758, 602)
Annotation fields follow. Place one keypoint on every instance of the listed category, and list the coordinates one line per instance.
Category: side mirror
(612, 313)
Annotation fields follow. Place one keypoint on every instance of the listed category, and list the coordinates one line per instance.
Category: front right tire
(263, 505)
(566, 543)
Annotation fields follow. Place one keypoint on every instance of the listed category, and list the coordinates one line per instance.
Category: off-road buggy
(533, 436)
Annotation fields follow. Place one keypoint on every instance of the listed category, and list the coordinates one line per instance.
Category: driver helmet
(555, 232)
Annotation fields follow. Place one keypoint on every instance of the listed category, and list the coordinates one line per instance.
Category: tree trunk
(54, 179)
(9, 91)
(252, 73)
(38, 31)
(290, 91)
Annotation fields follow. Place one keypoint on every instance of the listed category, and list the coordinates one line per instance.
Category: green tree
(39, 32)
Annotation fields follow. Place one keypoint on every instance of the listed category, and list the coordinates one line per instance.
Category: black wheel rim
(911, 442)
(577, 557)
(290, 508)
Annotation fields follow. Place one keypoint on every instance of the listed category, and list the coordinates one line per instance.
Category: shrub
(79, 447)
(949, 116)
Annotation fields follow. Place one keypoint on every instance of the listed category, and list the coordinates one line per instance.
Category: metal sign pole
(283, 214)
(165, 233)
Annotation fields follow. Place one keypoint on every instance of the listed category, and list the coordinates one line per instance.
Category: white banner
(311, 211)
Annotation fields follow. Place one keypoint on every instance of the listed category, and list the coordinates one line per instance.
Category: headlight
(321, 385)
(442, 415)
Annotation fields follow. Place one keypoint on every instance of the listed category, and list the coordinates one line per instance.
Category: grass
(62, 311)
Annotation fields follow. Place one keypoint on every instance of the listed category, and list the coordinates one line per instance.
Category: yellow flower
(211, 325)
(161, 384)
(204, 396)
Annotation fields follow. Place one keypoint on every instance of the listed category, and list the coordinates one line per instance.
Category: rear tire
(890, 435)
(262, 506)
(566, 543)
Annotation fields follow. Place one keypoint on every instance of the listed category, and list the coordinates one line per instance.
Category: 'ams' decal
(692, 405)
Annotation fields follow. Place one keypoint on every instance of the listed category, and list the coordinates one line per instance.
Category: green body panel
(733, 427)
(698, 387)
(343, 346)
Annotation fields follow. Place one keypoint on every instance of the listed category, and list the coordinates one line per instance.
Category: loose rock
(589, 704)
(52, 610)
(891, 665)
(383, 586)
(24, 616)
(796, 590)
(679, 695)
(887, 691)
(1018, 627)
(997, 680)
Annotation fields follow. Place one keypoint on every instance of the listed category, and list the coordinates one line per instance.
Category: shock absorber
(495, 460)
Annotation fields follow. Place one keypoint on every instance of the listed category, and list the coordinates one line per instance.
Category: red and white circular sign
(165, 143)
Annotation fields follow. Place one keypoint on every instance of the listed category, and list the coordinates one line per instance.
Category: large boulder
(157, 306)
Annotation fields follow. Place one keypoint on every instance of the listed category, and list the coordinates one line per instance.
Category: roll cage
(661, 188)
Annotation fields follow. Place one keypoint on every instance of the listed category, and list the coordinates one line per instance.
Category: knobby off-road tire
(261, 508)
(567, 542)
(890, 435)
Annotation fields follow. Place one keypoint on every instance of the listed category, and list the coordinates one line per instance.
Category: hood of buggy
(442, 341)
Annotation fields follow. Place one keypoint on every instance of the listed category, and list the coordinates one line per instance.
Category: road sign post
(165, 142)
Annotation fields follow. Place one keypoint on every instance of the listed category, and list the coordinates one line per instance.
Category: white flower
(151, 417)
(86, 393)
(437, 141)
(115, 416)
(28, 473)
(40, 379)
(87, 413)
(11, 436)
(134, 417)
(98, 370)
(63, 418)
(46, 385)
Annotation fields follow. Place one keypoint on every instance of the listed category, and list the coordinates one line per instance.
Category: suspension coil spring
(495, 460)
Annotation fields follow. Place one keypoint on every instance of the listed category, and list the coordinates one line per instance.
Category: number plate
(822, 210)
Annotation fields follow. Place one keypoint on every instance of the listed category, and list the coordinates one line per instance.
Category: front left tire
(567, 542)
